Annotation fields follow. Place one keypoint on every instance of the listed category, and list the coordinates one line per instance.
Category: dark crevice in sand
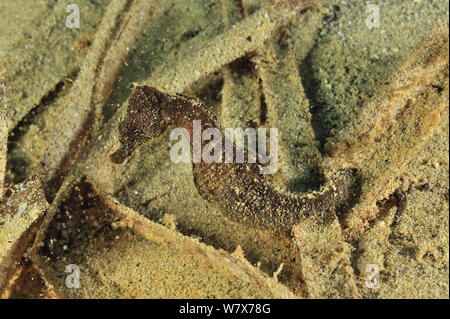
(311, 86)
(81, 218)
(16, 165)
(262, 104)
(209, 93)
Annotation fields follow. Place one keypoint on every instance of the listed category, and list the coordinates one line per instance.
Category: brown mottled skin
(238, 190)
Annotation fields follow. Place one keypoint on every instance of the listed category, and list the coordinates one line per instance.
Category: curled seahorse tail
(330, 195)
(247, 198)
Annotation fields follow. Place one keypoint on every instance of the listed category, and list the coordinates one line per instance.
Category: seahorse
(238, 190)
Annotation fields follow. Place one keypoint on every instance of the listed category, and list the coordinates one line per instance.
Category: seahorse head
(143, 121)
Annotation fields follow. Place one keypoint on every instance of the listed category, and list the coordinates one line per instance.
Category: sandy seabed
(344, 88)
